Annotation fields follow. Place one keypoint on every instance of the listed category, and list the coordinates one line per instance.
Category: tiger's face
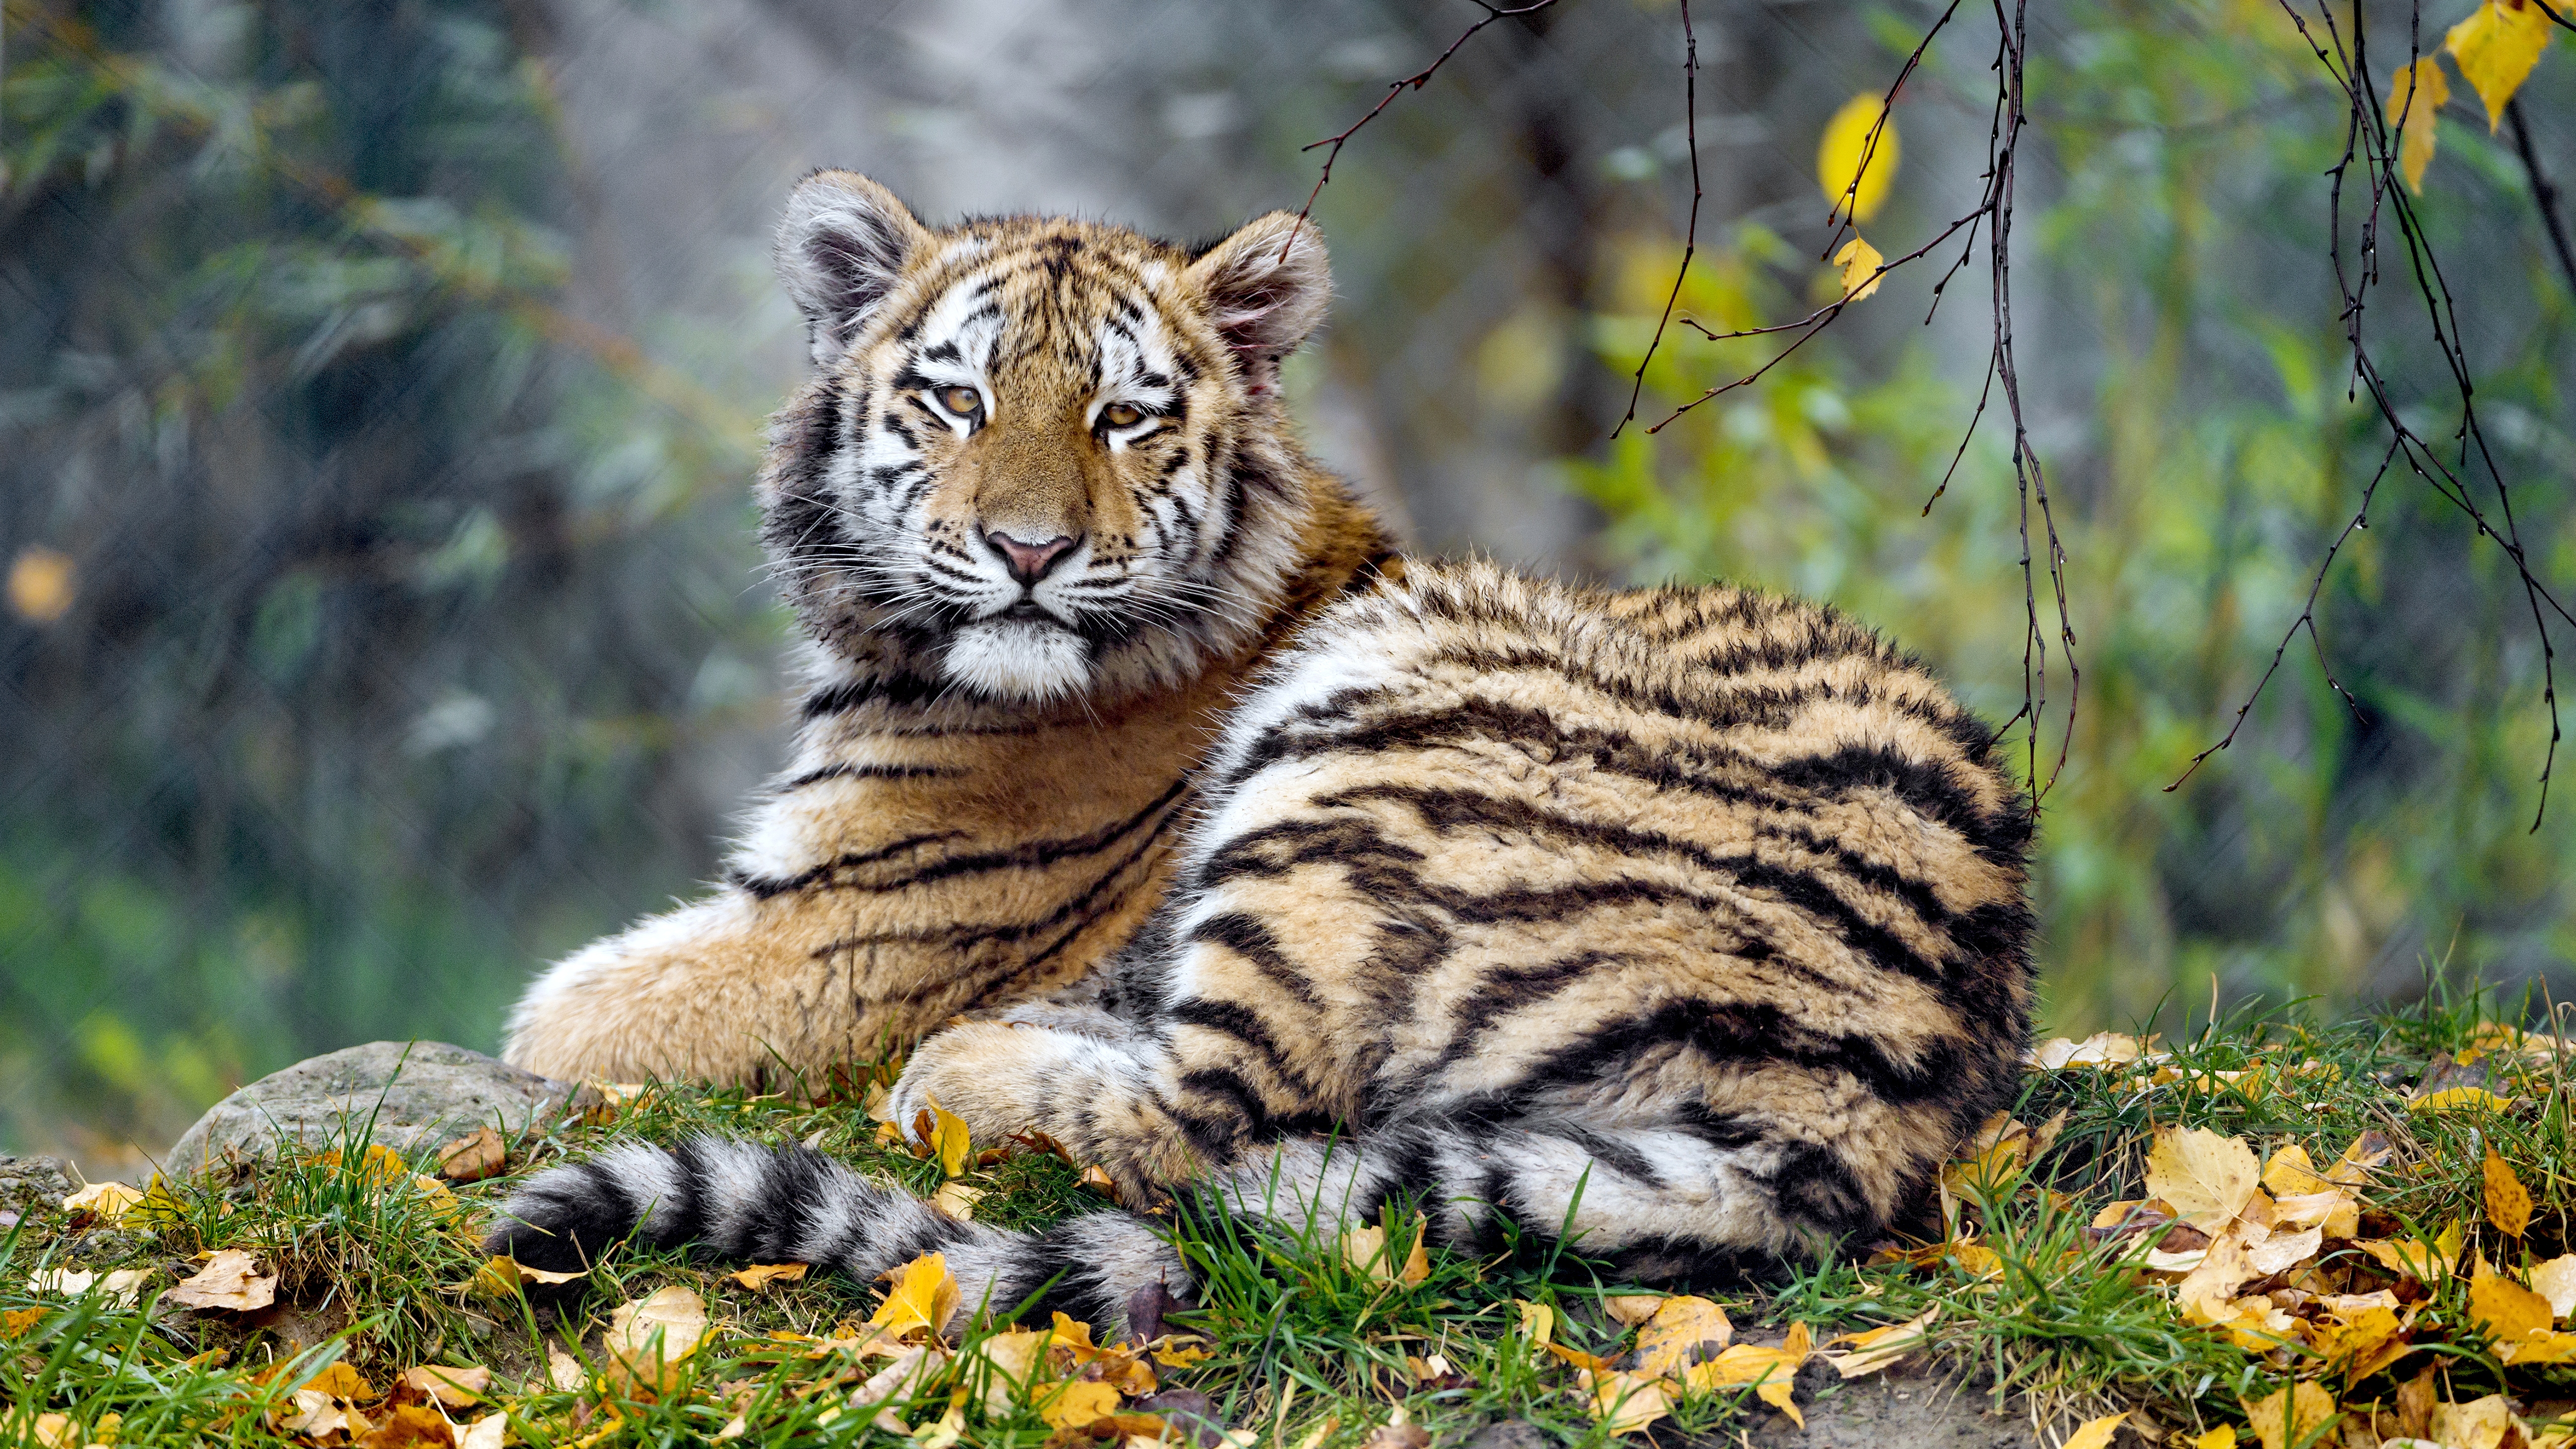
(1043, 457)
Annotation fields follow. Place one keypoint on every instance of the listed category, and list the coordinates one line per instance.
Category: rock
(421, 1094)
(30, 1186)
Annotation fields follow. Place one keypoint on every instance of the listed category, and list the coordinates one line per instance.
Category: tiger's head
(1040, 457)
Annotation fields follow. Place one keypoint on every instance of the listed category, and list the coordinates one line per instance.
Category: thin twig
(1690, 231)
(2544, 197)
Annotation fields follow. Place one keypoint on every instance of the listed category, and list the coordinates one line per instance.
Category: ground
(2305, 1235)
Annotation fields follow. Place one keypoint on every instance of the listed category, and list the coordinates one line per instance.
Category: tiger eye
(1122, 415)
(963, 401)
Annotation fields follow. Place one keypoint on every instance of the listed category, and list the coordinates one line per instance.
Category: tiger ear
(1266, 286)
(840, 248)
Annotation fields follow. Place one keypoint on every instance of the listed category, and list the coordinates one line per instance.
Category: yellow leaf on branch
(1860, 262)
(2496, 48)
(1849, 154)
(2414, 94)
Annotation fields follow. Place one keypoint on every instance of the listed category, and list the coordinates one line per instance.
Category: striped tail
(1663, 1204)
(739, 1201)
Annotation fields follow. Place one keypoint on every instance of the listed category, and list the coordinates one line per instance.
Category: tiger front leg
(1105, 1099)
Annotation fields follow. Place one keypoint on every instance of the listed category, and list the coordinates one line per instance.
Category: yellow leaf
(2555, 1280)
(2544, 1348)
(649, 1339)
(231, 1279)
(921, 1295)
(2290, 1173)
(2346, 1345)
(106, 1201)
(1771, 1371)
(2279, 1252)
(2415, 93)
(1365, 1250)
(473, 1157)
(502, 1276)
(2496, 48)
(2291, 1417)
(2508, 1201)
(2360, 1156)
(1859, 261)
(2477, 1424)
(957, 1200)
(2407, 1256)
(2460, 1099)
(1537, 1320)
(1839, 157)
(16, 1321)
(2095, 1433)
(948, 1139)
(2332, 1212)
(1002, 1365)
(2222, 1437)
(484, 1433)
(761, 1275)
(2100, 1050)
(2206, 1177)
(2504, 1310)
(1880, 1347)
(1078, 1403)
(1629, 1309)
(457, 1388)
(1628, 1402)
(1417, 1263)
(2206, 1291)
(1683, 1331)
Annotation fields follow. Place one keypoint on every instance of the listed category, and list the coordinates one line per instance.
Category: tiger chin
(1041, 519)
(1690, 923)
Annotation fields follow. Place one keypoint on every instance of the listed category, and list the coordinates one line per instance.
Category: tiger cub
(1041, 516)
(1690, 921)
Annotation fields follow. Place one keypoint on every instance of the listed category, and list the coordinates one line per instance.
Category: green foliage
(2202, 458)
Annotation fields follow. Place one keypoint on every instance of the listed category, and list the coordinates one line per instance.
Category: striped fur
(991, 771)
(1693, 919)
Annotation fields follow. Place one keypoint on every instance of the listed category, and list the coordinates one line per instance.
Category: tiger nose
(1029, 562)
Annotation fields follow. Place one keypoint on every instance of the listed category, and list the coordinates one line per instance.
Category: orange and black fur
(1041, 517)
(1690, 920)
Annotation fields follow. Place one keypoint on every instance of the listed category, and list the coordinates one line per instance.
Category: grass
(1303, 1349)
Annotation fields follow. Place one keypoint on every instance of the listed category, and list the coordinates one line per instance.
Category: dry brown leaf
(1877, 1348)
(2293, 1416)
(564, 1373)
(457, 1388)
(1628, 1309)
(2206, 1291)
(484, 1433)
(2095, 1433)
(2207, 1178)
(2279, 1252)
(2101, 1049)
(2508, 1202)
(920, 1296)
(649, 1340)
(473, 1157)
(761, 1275)
(1683, 1331)
(957, 1200)
(1365, 1249)
(1096, 1178)
(231, 1280)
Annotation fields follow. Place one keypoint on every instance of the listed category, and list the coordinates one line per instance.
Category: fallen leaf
(1682, 1332)
(761, 1275)
(2555, 1280)
(2504, 1310)
(2207, 1178)
(2290, 1173)
(2477, 1424)
(484, 1433)
(2332, 1212)
(2496, 47)
(1003, 1365)
(2541, 1348)
(2408, 1256)
(473, 1157)
(564, 1373)
(2101, 1049)
(2292, 1417)
(2460, 1099)
(121, 1286)
(1856, 157)
(2095, 1433)
(1538, 1321)
(2222, 1437)
(231, 1279)
(342, 1382)
(1771, 1371)
(16, 1321)
(2279, 1252)
(1629, 1309)
(650, 1339)
(1096, 1178)
(2415, 93)
(1410, 1436)
(957, 1200)
(2206, 1291)
(2355, 1347)
(409, 1426)
(1860, 263)
(501, 1276)
(2508, 1201)
(1365, 1249)
(106, 1201)
(1626, 1402)
(920, 1295)
(1077, 1403)
(945, 1134)
(1877, 1348)
(457, 1388)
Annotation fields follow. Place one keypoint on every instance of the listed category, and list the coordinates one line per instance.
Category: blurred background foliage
(380, 383)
